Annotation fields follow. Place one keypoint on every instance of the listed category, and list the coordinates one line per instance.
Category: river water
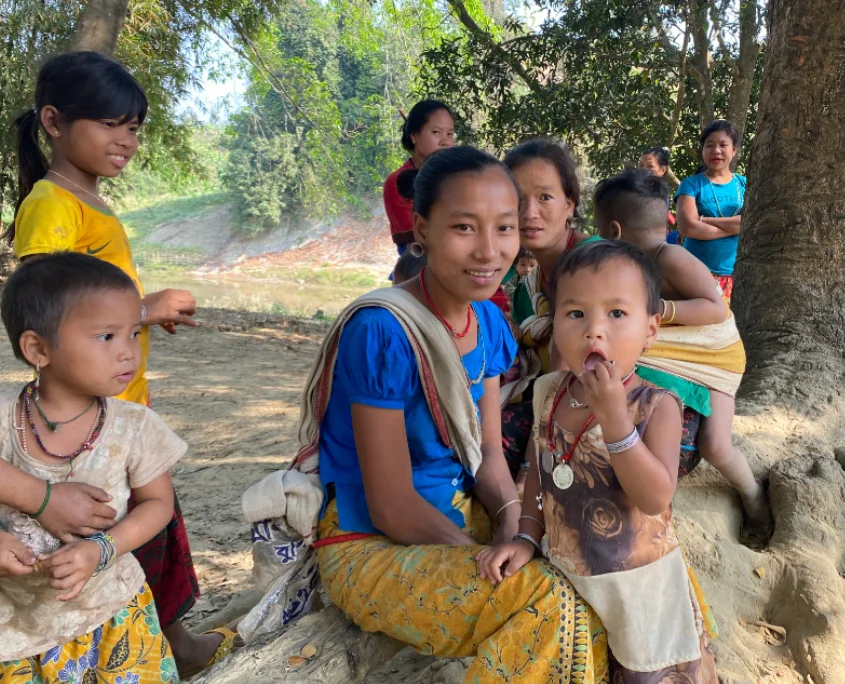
(290, 298)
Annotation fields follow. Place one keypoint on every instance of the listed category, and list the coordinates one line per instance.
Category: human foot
(194, 652)
(759, 522)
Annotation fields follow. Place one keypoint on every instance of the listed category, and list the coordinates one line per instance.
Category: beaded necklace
(88, 445)
(716, 199)
(56, 425)
(480, 375)
(449, 327)
(562, 473)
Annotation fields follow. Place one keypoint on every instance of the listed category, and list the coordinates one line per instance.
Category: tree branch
(486, 39)
(720, 37)
(682, 85)
(670, 48)
(272, 80)
(739, 96)
(702, 60)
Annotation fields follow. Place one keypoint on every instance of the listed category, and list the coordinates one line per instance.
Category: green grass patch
(331, 276)
(322, 276)
(139, 223)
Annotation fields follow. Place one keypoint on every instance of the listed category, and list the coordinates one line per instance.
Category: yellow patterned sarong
(709, 355)
(532, 628)
(128, 649)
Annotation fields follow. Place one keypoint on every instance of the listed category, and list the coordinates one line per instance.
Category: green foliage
(262, 176)
(602, 74)
(29, 29)
(159, 175)
(162, 42)
(320, 129)
(142, 221)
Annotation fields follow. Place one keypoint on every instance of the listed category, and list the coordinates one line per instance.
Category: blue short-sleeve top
(376, 367)
(715, 200)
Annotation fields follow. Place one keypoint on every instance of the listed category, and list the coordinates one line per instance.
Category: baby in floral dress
(601, 488)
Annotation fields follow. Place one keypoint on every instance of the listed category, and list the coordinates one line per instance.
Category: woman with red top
(428, 127)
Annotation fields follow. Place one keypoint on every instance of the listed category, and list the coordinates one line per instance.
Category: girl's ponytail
(32, 164)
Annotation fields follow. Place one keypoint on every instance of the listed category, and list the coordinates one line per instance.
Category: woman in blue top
(710, 202)
(406, 392)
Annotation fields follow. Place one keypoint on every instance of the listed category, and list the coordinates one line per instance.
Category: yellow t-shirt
(51, 219)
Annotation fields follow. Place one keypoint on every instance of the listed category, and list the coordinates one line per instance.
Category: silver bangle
(531, 517)
(509, 503)
(530, 540)
(623, 444)
(143, 314)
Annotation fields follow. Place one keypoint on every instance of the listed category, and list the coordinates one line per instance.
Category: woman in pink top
(428, 127)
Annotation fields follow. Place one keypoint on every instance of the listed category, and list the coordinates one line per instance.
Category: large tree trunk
(99, 25)
(790, 290)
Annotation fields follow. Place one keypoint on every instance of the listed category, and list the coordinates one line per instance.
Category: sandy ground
(231, 388)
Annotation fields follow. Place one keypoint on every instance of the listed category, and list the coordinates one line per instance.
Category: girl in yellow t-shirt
(90, 109)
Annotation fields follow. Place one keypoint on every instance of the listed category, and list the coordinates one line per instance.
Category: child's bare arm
(648, 471)
(700, 301)
(153, 510)
(73, 565)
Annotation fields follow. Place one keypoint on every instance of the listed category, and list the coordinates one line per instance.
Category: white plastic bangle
(623, 444)
(530, 540)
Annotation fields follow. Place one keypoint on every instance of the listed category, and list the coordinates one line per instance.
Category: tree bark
(702, 60)
(790, 294)
(344, 654)
(739, 96)
(99, 26)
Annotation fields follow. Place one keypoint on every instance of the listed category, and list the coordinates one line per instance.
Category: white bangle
(509, 503)
(530, 540)
(143, 314)
(623, 444)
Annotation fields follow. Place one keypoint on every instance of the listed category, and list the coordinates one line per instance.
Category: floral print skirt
(128, 649)
(531, 628)
(726, 285)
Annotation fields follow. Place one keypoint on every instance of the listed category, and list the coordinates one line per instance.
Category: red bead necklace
(452, 331)
(562, 474)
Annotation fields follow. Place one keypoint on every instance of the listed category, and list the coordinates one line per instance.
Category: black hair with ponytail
(80, 85)
(423, 185)
(418, 117)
